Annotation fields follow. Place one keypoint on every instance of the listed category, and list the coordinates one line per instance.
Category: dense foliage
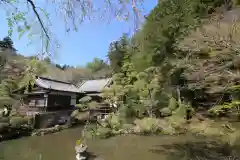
(153, 67)
(7, 43)
(116, 53)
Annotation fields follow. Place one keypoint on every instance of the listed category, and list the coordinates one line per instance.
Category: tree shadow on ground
(204, 150)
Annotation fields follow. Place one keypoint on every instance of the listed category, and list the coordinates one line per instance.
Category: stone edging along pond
(44, 131)
(18, 133)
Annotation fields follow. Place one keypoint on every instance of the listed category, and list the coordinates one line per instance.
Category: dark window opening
(58, 102)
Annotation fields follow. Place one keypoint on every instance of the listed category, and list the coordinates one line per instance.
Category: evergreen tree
(7, 43)
(149, 89)
(7, 85)
(116, 53)
(2, 62)
(97, 65)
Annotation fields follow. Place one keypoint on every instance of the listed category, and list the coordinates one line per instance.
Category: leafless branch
(39, 18)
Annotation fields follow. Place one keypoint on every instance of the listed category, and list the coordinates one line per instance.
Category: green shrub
(82, 107)
(93, 105)
(4, 120)
(165, 112)
(128, 128)
(127, 112)
(103, 132)
(3, 126)
(180, 111)
(177, 122)
(85, 100)
(82, 116)
(219, 110)
(114, 122)
(83, 103)
(74, 114)
(29, 120)
(224, 133)
(148, 125)
(17, 122)
(172, 104)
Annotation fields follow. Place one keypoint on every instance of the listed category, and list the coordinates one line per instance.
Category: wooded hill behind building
(189, 48)
(13, 66)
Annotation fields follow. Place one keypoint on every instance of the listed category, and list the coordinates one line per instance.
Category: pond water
(60, 146)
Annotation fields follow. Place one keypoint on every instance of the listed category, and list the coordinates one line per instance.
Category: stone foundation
(50, 119)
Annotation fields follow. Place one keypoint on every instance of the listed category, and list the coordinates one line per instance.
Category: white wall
(73, 99)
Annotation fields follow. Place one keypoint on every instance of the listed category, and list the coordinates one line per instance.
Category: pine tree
(116, 53)
(7, 43)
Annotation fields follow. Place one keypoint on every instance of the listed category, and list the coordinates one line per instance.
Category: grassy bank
(220, 138)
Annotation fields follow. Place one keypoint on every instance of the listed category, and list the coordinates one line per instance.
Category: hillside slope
(221, 29)
(212, 60)
(16, 63)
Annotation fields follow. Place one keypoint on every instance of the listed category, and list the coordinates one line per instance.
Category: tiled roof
(94, 85)
(56, 85)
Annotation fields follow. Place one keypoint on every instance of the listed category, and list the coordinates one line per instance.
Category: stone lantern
(81, 151)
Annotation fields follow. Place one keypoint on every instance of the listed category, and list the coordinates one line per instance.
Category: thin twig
(39, 18)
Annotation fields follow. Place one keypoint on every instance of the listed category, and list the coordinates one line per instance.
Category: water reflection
(49, 147)
(60, 146)
(202, 150)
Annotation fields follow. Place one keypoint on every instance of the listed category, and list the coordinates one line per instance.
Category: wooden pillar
(45, 101)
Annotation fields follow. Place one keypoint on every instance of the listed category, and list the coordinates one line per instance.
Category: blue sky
(77, 48)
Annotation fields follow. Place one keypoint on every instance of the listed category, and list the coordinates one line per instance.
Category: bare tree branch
(39, 18)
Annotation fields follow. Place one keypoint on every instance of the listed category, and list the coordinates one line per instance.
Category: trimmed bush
(74, 113)
(165, 112)
(114, 122)
(85, 100)
(148, 125)
(82, 116)
(103, 132)
(181, 111)
(172, 104)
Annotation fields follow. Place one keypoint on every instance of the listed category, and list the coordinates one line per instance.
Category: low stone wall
(49, 119)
